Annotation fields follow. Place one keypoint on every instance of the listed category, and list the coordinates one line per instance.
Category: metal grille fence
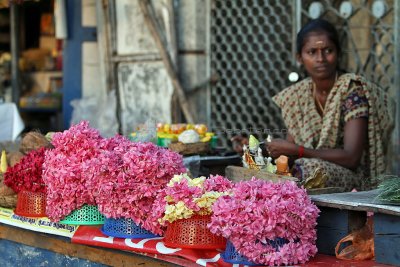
(251, 50)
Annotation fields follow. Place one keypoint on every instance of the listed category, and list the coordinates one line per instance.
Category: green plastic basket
(163, 141)
(214, 141)
(87, 215)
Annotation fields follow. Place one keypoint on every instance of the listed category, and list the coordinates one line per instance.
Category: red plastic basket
(31, 204)
(193, 233)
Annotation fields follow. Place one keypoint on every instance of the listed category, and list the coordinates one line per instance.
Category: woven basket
(8, 201)
(190, 149)
(124, 228)
(31, 204)
(193, 233)
(86, 215)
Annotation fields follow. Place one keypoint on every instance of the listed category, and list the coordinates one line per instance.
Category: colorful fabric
(338, 176)
(355, 106)
(345, 101)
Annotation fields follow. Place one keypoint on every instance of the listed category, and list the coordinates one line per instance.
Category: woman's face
(319, 56)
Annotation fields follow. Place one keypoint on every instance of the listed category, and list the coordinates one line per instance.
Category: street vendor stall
(120, 202)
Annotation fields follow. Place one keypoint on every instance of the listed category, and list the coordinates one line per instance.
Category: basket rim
(69, 219)
(109, 222)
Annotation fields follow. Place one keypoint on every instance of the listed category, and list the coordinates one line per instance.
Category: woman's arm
(290, 138)
(355, 140)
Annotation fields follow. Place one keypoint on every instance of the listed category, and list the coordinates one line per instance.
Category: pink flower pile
(27, 174)
(128, 177)
(260, 211)
(183, 191)
(67, 183)
(217, 183)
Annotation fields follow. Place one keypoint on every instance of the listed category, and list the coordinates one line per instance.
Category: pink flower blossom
(67, 184)
(190, 194)
(27, 173)
(127, 177)
(217, 183)
(259, 211)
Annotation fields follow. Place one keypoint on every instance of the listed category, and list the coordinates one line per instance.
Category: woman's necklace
(319, 105)
(316, 99)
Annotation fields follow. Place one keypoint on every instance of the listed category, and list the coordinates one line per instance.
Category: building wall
(138, 63)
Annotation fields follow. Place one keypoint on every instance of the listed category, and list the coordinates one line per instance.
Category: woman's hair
(317, 25)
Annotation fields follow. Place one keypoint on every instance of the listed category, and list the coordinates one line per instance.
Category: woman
(338, 123)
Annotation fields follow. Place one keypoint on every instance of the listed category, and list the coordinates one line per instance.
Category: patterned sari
(351, 97)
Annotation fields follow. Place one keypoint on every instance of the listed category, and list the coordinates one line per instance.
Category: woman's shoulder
(351, 82)
(301, 85)
(352, 77)
(293, 91)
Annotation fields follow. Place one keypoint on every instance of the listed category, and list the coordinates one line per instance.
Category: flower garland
(63, 173)
(184, 197)
(128, 176)
(260, 211)
(27, 173)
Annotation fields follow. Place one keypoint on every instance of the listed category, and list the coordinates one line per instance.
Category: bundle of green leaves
(389, 189)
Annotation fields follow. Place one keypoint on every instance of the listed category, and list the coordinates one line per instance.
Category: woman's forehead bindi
(318, 41)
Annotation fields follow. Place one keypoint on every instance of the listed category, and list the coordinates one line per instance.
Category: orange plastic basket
(31, 204)
(193, 233)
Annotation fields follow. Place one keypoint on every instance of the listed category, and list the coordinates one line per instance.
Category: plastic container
(86, 215)
(214, 141)
(124, 228)
(163, 141)
(230, 254)
(193, 233)
(31, 204)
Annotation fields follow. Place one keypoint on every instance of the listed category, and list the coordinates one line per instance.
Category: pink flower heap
(27, 174)
(63, 173)
(128, 177)
(184, 197)
(259, 212)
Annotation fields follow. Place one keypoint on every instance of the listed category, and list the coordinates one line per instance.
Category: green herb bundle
(389, 189)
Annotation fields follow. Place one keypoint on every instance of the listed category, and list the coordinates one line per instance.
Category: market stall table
(45, 239)
(205, 165)
(342, 213)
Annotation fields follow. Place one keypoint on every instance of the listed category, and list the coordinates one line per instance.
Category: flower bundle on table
(27, 174)
(128, 176)
(259, 212)
(184, 197)
(67, 183)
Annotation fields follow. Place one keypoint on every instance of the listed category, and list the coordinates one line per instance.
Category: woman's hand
(278, 147)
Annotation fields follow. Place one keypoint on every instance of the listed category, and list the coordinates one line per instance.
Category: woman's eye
(311, 52)
(328, 50)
